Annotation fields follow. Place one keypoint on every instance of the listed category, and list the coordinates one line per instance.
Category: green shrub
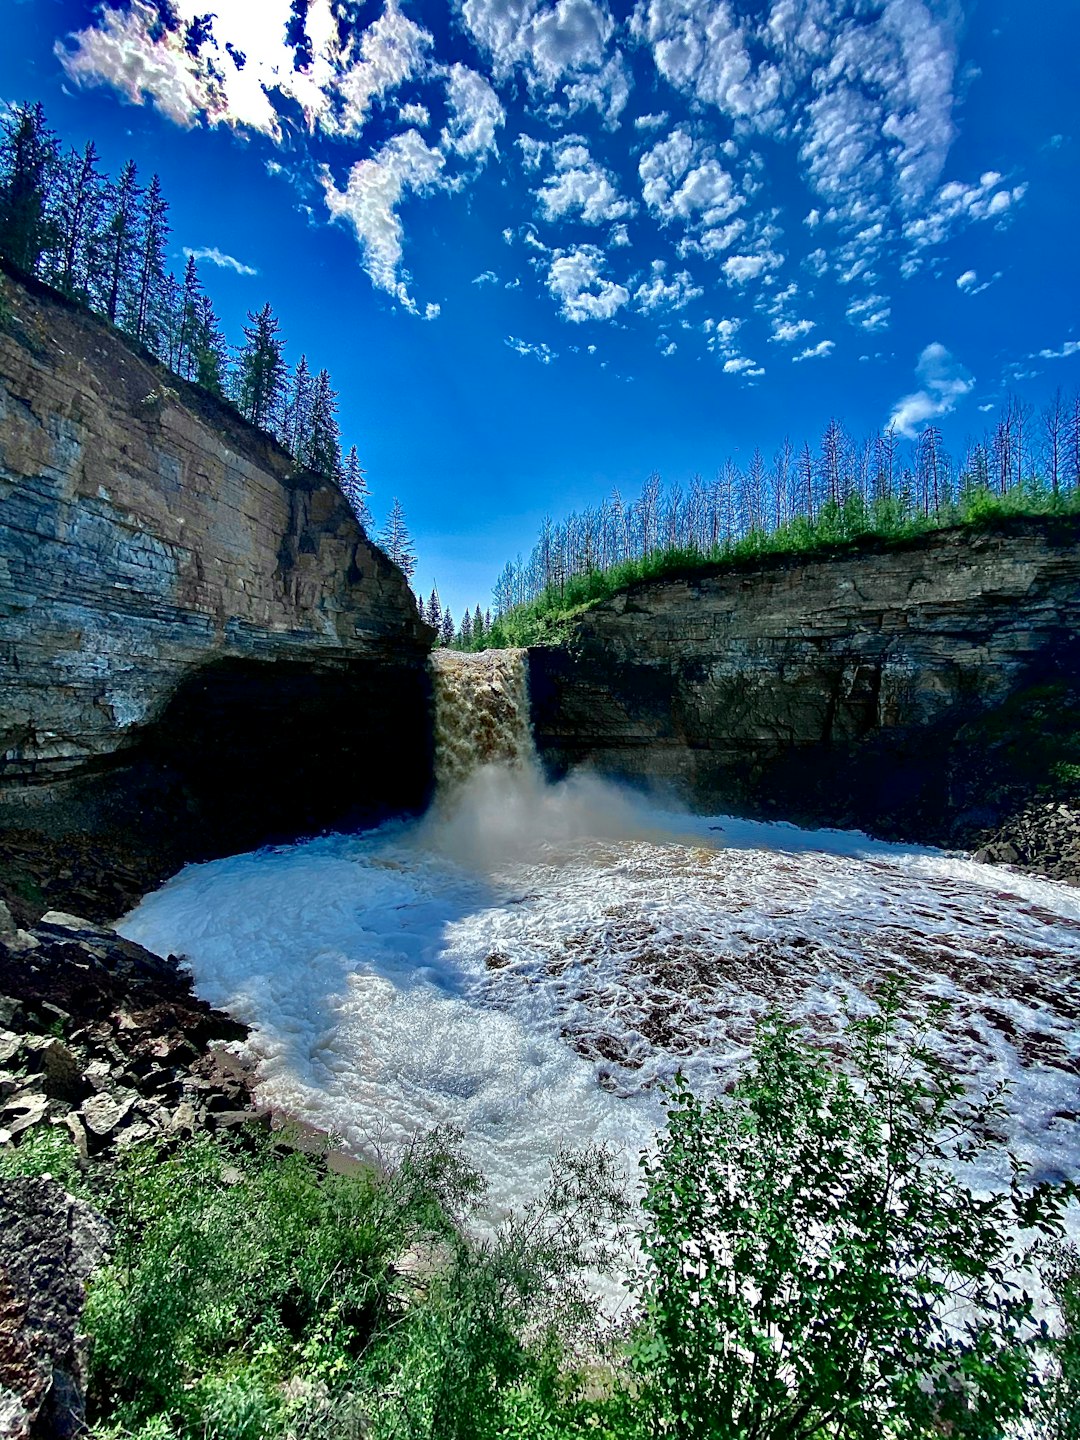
(816, 1265)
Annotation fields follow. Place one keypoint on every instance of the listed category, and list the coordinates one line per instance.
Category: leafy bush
(816, 1265)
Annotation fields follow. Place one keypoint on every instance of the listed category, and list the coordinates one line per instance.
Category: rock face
(52, 1245)
(913, 689)
(195, 640)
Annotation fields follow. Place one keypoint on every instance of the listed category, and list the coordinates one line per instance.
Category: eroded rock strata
(199, 649)
(921, 690)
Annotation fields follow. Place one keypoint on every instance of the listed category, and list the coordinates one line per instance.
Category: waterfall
(481, 714)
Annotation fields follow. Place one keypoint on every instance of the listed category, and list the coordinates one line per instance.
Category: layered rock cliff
(197, 642)
(919, 689)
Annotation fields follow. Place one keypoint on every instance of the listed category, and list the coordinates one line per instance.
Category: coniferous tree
(29, 157)
(261, 371)
(478, 627)
(209, 350)
(465, 633)
(446, 634)
(119, 244)
(79, 208)
(187, 333)
(354, 486)
(166, 317)
(296, 420)
(146, 320)
(434, 611)
(396, 540)
(322, 452)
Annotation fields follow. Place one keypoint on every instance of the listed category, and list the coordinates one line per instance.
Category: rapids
(528, 960)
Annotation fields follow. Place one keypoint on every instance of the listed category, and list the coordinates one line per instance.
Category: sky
(546, 247)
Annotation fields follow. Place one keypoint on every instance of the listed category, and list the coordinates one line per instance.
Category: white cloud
(944, 383)
(380, 58)
(660, 293)
(580, 187)
(955, 205)
(650, 122)
(870, 312)
(475, 113)
(1070, 347)
(606, 90)
(785, 331)
(815, 352)
(576, 280)
(214, 256)
(375, 188)
(743, 365)
(669, 348)
(567, 41)
(967, 280)
(486, 277)
(738, 269)
(536, 349)
(619, 236)
(415, 114)
(720, 335)
(681, 180)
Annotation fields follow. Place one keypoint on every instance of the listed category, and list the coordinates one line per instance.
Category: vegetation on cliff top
(812, 1264)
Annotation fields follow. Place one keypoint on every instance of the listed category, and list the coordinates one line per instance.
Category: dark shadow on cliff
(246, 753)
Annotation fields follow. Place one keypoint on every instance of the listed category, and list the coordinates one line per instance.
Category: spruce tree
(478, 628)
(447, 632)
(354, 486)
(434, 611)
(29, 157)
(296, 421)
(396, 540)
(80, 203)
(145, 321)
(190, 301)
(209, 349)
(119, 244)
(323, 450)
(261, 376)
(465, 633)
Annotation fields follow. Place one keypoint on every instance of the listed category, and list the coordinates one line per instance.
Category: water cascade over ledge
(528, 961)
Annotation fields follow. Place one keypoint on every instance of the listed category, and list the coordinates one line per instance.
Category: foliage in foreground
(812, 1264)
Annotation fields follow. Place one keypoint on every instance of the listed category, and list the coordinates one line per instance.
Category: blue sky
(547, 246)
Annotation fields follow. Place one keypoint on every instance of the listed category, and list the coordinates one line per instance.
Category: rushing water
(528, 960)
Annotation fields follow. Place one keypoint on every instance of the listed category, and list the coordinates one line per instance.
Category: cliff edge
(199, 647)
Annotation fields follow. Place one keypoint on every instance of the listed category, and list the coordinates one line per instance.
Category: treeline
(470, 634)
(800, 498)
(103, 242)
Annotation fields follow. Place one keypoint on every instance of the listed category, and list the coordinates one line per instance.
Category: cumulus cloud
(968, 282)
(682, 180)
(944, 383)
(785, 331)
(955, 205)
(870, 312)
(651, 121)
(214, 256)
(816, 352)
(536, 349)
(486, 277)
(575, 278)
(566, 44)
(476, 113)
(738, 269)
(415, 114)
(390, 51)
(661, 293)
(580, 188)
(370, 200)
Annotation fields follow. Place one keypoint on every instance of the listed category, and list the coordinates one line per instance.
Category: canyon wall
(198, 645)
(918, 689)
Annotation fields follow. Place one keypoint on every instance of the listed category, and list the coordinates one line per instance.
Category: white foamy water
(528, 961)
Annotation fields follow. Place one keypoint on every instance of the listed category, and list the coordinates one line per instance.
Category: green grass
(550, 619)
(798, 1241)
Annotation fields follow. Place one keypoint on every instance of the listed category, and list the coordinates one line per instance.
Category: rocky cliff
(197, 643)
(919, 689)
